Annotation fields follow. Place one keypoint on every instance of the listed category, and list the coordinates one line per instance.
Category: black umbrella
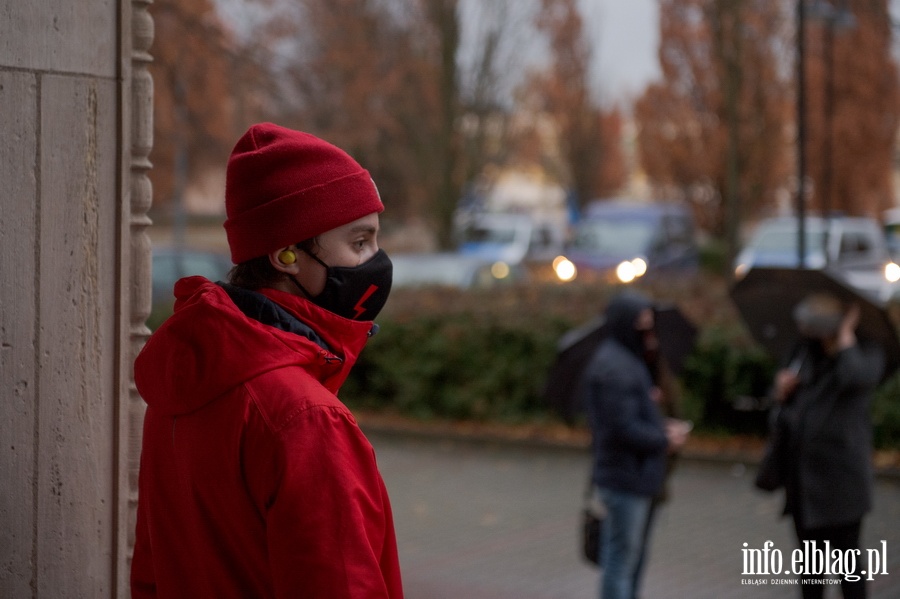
(575, 348)
(766, 298)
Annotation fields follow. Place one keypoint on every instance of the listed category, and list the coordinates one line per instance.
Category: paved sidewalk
(491, 520)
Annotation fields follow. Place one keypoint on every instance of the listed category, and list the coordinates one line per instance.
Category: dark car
(626, 240)
(171, 264)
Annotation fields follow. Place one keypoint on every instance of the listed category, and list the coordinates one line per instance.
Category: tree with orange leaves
(714, 132)
(386, 81)
(853, 107)
(720, 129)
(192, 108)
(589, 139)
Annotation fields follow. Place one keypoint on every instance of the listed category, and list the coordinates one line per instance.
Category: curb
(746, 452)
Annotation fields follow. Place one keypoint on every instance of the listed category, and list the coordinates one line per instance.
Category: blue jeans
(623, 540)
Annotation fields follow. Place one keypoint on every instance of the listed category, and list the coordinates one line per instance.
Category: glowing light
(625, 272)
(892, 272)
(500, 270)
(640, 267)
(564, 268)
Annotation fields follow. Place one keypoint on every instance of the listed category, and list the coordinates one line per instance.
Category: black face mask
(355, 292)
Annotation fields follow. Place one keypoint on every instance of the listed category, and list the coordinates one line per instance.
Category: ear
(285, 260)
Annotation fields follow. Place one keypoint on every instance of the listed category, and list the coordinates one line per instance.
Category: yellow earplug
(287, 257)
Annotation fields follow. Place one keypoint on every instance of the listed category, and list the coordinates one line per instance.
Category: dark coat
(628, 431)
(829, 429)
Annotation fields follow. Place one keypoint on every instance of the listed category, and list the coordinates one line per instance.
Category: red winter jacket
(255, 480)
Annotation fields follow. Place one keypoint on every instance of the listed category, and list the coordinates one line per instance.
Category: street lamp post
(835, 18)
(801, 136)
(828, 132)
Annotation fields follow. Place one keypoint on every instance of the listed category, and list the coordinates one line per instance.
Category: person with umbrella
(824, 394)
(630, 439)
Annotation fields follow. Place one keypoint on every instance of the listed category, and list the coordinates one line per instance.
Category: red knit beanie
(284, 186)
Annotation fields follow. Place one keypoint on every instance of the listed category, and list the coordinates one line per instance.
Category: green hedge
(471, 367)
(886, 414)
(458, 366)
(726, 381)
(486, 357)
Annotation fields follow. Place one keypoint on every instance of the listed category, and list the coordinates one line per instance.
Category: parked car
(626, 240)
(510, 238)
(854, 248)
(448, 269)
(171, 264)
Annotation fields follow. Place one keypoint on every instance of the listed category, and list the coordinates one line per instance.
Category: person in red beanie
(255, 480)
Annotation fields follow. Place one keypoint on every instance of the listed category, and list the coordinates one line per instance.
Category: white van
(852, 247)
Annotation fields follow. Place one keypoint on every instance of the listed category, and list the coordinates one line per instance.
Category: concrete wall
(75, 133)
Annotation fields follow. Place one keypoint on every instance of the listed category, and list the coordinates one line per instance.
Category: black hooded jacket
(830, 477)
(628, 431)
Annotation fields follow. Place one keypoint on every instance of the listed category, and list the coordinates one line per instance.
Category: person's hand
(785, 384)
(847, 331)
(677, 432)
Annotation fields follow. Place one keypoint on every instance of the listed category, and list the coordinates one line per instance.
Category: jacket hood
(210, 345)
(621, 314)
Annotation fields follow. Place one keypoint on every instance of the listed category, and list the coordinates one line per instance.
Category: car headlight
(500, 270)
(816, 260)
(629, 270)
(892, 272)
(625, 271)
(564, 268)
(640, 267)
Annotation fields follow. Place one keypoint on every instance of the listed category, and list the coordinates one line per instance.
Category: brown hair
(257, 273)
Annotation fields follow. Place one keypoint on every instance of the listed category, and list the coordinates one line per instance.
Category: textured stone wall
(75, 134)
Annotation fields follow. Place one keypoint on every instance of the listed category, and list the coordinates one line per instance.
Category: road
(491, 520)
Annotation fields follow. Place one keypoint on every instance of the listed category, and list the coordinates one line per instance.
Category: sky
(626, 34)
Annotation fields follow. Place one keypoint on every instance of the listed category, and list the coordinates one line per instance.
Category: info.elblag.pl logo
(814, 559)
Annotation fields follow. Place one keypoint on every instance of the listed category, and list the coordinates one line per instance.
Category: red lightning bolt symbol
(359, 305)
